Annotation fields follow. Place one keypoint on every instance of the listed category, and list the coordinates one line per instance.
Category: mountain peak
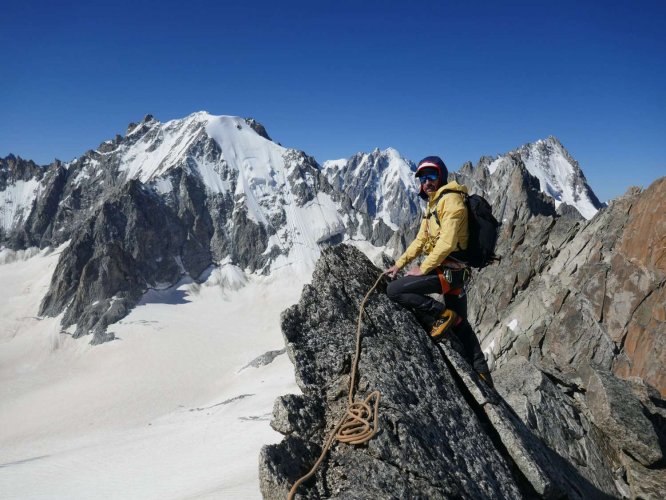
(559, 174)
(392, 153)
(551, 139)
(379, 184)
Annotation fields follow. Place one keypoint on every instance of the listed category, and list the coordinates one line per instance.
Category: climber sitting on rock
(442, 238)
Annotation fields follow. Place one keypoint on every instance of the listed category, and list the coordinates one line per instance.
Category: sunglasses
(428, 177)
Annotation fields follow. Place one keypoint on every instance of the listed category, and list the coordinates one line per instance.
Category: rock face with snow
(133, 239)
(20, 186)
(559, 175)
(380, 186)
(14, 169)
(169, 199)
(441, 432)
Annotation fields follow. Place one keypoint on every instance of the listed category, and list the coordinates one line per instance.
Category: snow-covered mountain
(380, 184)
(185, 240)
(225, 160)
(173, 199)
(560, 176)
(184, 197)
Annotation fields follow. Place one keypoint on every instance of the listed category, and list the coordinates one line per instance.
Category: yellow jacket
(438, 241)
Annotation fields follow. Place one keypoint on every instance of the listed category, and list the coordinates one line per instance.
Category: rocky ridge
(560, 275)
(442, 433)
(581, 302)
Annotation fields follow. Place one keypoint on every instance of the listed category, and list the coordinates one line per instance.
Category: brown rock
(643, 274)
(645, 343)
(644, 238)
(627, 287)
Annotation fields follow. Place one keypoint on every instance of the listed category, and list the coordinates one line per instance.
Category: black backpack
(483, 229)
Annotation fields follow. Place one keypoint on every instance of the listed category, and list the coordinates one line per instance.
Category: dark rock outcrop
(133, 242)
(557, 418)
(442, 434)
(430, 443)
(14, 168)
(258, 128)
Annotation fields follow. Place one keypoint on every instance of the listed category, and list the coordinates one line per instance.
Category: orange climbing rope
(355, 426)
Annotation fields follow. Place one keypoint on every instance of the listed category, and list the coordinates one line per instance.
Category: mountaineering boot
(443, 324)
(487, 379)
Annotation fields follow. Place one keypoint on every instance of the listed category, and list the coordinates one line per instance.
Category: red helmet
(432, 163)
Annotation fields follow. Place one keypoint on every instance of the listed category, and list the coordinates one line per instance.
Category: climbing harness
(355, 426)
(452, 280)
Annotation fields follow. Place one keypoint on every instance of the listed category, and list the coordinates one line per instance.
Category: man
(442, 238)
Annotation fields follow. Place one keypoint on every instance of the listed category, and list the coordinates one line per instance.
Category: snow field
(166, 411)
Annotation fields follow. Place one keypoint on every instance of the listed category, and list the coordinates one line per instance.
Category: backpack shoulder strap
(439, 198)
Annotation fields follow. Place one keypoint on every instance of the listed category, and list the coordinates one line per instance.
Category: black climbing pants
(412, 293)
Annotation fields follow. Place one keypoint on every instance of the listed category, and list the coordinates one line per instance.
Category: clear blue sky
(336, 77)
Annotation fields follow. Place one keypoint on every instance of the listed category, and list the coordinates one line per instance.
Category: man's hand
(414, 271)
(392, 271)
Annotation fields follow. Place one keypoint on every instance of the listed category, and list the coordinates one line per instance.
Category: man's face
(430, 181)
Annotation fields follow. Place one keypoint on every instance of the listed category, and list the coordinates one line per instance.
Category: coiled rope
(355, 426)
